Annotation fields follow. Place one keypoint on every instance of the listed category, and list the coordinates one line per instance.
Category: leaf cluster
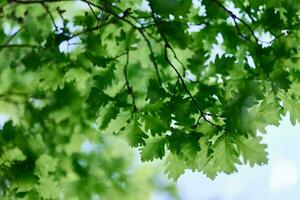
(192, 81)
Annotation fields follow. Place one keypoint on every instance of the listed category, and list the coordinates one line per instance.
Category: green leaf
(104, 78)
(136, 136)
(225, 155)
(45, 164)
(281, 77)
(96, 99)
(179, 107)
(52, 79)
(252, 150)
(47, 188)
(108, 113)
(10, 156)
(202, 82)
(174, 7)
(32, 61)
(292, 106)
(24, 183)
(99, 60)
(154, 148)
(174, 167)
(78, 75)
(224, 65)
(155, 92)
(155, 124)
(175, 32)
(260, 115)
(203, 160)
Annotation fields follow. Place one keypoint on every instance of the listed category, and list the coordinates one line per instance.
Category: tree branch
(139, 29)
(129, 88)
(108, 11)
(50, 15)
(168, 46)
(142, 32)
(234, 17)
(18, 46)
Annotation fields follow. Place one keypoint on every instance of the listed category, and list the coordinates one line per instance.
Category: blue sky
(278, 180)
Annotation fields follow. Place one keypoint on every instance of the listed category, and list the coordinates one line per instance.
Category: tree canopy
(190, 82)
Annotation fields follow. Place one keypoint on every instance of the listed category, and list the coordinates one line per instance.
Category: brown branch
(239, 30)
(50, 15)
(13, 36)
(89, 30)
(143, 33)
(104, 9)
(18, 46)
(234, 17)
(178, 60)
(129, 88)
(168, 46)
(139, 29)
(37, 1)
(152, 57)
(202, 114)
(91, 8)
(8, 97)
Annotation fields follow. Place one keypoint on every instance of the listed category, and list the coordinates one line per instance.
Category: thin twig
(13, 36)
(152, 57)
(239, 30)
(139, 29)
(50, 15)
(232, 15)
(18, 46)
(166, 47)
(88, 30)
(129, 88)
(104, 9)
(92, 11)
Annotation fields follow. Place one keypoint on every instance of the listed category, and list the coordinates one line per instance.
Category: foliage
(192, 79)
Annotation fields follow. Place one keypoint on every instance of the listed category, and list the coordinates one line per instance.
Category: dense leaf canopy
(189, 81)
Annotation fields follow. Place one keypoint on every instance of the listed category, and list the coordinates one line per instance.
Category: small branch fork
(257, 40)
(168, 46)
(141, 29)
(202, 114)
(236, 18)
(50, 15)
(18, 46)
